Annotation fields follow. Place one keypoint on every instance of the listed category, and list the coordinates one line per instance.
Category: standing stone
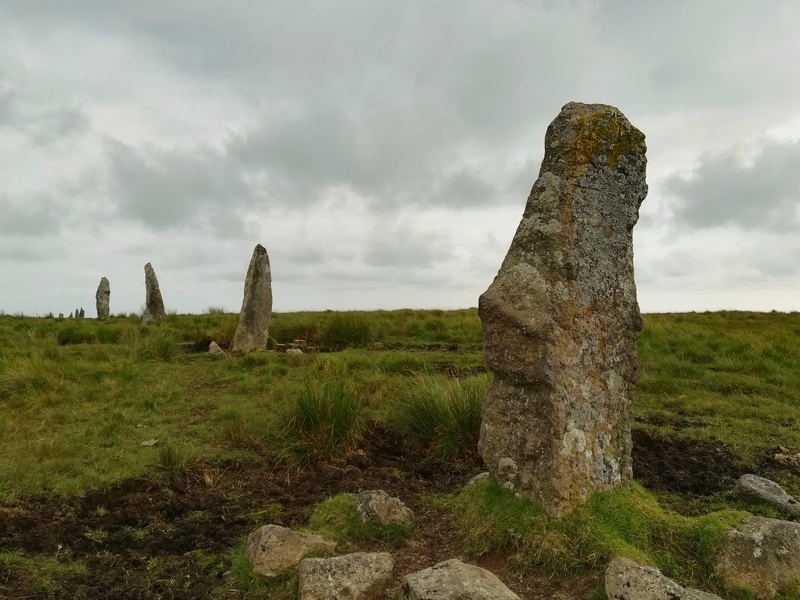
(253, 329)
(82, 313)
(103, 298)
(154, 304)
(560, 320)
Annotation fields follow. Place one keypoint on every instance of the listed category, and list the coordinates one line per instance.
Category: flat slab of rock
(763, 557)
(561, 319)
(379, 507)
(359, 576)
(455, 580)
(753, 487)
(273, 549)
(627, 580)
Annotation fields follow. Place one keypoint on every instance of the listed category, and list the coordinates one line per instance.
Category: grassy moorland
(118, 439)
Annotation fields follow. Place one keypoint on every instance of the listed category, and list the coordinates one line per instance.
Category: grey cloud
(172, 189)
(723, 191)
(42, 120)
(466, 188)
(28, 216)
(402, 246)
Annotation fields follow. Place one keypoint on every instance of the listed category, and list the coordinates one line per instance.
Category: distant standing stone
(560, 320)
(154, 304)
(82, 314)
(103, 299)
(253, 330)
(60, 315)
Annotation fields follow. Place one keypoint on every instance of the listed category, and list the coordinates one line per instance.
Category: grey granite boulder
(627, 580)
(763, 556)
(273, 550)
(377, 506)
(455, 580)
(359, 576)
(759, 489)
(213, 348)
(561, 319)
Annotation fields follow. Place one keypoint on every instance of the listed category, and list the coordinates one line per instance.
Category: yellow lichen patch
(606, 134)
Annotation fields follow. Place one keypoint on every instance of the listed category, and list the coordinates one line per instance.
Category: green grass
(338, 519)
(627, 521)
(442, 413)
(43, 574)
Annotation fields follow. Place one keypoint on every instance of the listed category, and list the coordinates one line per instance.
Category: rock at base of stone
(103, 299)
(213, 348)
(252, 331)
(455, 580)
(294, 351)
(273, 549)
(378, 507)
(561, 319)
(626, 580)
(359, 576)
(759, 489)
(154, 304)
(762, 557)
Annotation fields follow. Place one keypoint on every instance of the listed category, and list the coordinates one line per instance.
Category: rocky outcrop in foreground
(626, 580)
(561, 319)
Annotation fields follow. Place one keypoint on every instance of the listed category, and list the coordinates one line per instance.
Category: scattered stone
(753, 487)
(273, 550)
(763, 557)
(455, 580)
(150, 443)
(379, 507)
(478, 477)
(252, 332)
(359, 576)
(299, 344)
(787, 457)
(561, 319)
(103, 299)
(626, 580)
(295, 351)
(213, 348)
(153, 305)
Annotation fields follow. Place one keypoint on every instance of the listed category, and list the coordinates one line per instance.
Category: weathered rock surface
(455, 580)
(380, 507)
(103, 299)
(626, 580)
(294, 351)
(153, 305)
(273, 550)
(760, 489)
(561, 319)
(359, 576)
(82, 313)
(252, 332)
(213, 348)
(763, 556)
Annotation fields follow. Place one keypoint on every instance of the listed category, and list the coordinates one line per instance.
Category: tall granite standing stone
(560, 320)
(154, 304)
(103, 299)
(253, 329)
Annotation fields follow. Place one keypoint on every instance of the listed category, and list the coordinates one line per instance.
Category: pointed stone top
(148, 266)
(259, 249)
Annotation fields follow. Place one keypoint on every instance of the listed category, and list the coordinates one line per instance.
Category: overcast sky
(382, 151)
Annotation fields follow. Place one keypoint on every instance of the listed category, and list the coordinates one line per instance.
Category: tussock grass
(627, 521)
(442, 413)
(320, 420)
(338, 519)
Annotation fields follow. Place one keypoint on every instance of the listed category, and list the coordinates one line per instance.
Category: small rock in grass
(273, 549)
(379, 507)
(149, 443)
(213, 348)
(455, 580)
(753, 487)
(627, 580)
(478, 477)
(294, 351)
